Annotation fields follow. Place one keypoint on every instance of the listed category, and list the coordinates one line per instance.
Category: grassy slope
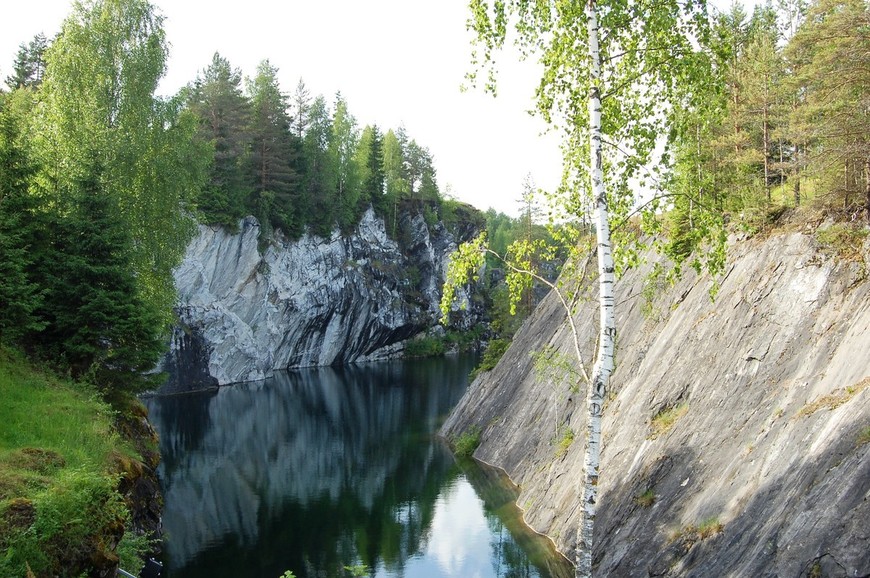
(60, 512)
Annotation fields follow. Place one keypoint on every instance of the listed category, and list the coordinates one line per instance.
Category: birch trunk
(607, 327)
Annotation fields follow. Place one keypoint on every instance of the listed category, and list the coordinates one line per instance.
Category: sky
(396, 62)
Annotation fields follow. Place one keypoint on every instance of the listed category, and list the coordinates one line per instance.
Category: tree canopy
(97, 195)
(102, 182)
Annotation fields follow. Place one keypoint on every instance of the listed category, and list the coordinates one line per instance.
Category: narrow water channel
(321, 470)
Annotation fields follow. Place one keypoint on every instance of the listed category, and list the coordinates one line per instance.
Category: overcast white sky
(395, 61)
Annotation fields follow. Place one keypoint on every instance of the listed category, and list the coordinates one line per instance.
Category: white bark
(603, 367)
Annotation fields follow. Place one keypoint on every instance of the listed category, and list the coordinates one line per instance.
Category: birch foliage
(99, 116)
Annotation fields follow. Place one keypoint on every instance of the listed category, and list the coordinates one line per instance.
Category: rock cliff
(244, 312)
(737, 432)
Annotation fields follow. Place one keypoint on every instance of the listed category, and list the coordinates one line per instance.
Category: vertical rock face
(737, 432)
(310, 302)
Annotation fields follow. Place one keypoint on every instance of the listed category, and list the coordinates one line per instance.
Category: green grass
(40, 411)
(845, 240)
(663, 421)
(863, 437)
(710, 527)
(59, 503)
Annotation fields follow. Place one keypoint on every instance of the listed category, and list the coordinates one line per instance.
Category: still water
(323, 469)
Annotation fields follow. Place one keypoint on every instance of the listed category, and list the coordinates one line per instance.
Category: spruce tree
(99, 327)
(20, 297)
(374, 185)
(29, 65)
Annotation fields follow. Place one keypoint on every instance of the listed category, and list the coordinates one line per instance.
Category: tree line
(102, 183)
(296, 162)
(782, 119)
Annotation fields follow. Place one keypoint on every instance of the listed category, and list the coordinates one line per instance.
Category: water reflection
(319, 469)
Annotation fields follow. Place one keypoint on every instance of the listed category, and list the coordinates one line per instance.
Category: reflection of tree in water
(508, 559)
(314, 468)
(183, 422)
(517, 551)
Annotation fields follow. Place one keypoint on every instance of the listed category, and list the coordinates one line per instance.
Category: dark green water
(320, 469)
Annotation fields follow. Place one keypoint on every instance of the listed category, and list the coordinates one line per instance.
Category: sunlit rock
(245, 311)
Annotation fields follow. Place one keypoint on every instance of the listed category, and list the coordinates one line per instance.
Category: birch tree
(98, 115)
(610, 72)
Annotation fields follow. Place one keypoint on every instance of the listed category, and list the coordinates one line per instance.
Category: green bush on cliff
(428, 346)
(435, 346)
(466, 443)
(60, 511)
(491, 355)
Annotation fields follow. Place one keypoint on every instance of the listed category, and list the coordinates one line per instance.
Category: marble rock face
(245, 311)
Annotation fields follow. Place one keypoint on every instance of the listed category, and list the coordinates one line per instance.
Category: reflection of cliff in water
(330, 464)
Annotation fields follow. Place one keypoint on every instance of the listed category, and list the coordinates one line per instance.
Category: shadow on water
(315, 470)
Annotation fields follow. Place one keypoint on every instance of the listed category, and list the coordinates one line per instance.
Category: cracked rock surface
(244, 313)
(766, 469)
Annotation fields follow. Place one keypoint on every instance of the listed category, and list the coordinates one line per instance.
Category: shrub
(646, 499)
(565, 442)
(467, 443)
(691, 534)
(425, 347)
(494, 351)
(834, 399)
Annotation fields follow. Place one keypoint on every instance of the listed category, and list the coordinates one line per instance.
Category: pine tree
(829, 56)
(275, 153)
(301, 106)
(224, 115)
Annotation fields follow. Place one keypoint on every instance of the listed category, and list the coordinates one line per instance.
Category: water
(318, 470)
